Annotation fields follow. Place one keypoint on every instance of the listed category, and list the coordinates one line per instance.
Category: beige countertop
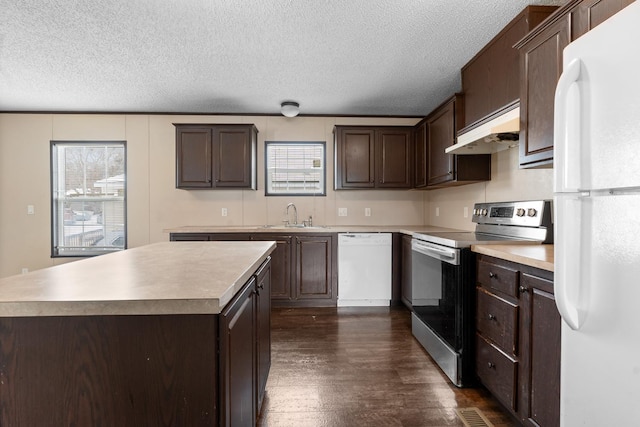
(406, 229)
(161, 278)
(539, 256)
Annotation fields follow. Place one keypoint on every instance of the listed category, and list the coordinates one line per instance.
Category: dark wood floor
(360, 367)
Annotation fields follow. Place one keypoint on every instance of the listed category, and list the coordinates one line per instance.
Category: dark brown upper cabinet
(420, 157)
(445, 169)
(491, 79)
(541, 67)
(210, 156)
(587, 14)
(373, 157)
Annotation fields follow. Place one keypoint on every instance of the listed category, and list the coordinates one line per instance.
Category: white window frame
(82, 233)
(297, 187)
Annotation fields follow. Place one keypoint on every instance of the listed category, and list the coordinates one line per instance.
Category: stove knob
(520, 212)
(484, 212)
(532, 212)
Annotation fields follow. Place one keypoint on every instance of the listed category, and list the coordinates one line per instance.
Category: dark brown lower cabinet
(139, 370)
(238, 354)
(263, 305)
(303, 265)
(314, 269)
(518, 339)
(280, 265)
(540, 343)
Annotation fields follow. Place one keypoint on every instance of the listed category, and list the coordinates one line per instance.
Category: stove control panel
(532, 213)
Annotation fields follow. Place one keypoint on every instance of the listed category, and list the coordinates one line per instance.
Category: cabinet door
(193, 157)
(314, 267)
(491, 80)
(440, 135)
(355, 161)
(590, 13)
(238, 359)
(280, 267)
(540, 353)
(541, 66)
(393, 158)
(420, 149)
(263, 315)
(475, 85)
(503, 64)
(233, 157)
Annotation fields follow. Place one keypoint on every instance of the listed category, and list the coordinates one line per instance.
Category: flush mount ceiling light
(290, 108)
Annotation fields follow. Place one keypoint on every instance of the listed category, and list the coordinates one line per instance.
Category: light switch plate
(367, 211)
(342, 211)
(31, 210)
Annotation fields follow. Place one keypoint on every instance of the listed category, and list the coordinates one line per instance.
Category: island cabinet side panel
(238, 359)
(109, 370)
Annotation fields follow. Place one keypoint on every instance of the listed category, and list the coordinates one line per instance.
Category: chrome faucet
(295, 213)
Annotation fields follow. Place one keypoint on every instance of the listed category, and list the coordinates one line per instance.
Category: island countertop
(161, 278)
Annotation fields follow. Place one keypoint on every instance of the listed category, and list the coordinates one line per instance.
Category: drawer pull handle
(491, 365)
(523, 289)
(492, 275)
(492, 317)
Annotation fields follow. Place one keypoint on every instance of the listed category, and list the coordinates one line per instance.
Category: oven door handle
(451, 255)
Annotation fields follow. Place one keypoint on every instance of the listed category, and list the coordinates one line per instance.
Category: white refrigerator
(597, 224)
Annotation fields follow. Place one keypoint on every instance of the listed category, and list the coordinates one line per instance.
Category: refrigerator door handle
(567, 130)
(570, 284)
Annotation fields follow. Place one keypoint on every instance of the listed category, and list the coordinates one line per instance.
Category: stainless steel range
(443, 278)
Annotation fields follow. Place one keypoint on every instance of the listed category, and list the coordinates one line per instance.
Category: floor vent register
(473, 417)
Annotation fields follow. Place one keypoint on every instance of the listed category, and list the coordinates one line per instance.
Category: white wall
(154, 204)
(508, 182)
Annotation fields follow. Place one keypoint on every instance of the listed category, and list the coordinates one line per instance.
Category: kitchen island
(165, 334)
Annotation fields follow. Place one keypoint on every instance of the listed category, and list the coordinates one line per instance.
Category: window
(88, 198)
(295, 168)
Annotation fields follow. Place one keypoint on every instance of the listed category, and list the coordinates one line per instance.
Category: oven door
(442, 284)
(436, 285)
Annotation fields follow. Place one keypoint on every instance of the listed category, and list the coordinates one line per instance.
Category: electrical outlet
(342, 211)
(437, 211)
(367, 211)
(466, 212)
(25, 270)
(224, 211)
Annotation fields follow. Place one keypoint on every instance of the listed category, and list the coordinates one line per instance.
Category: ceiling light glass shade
(290, 108)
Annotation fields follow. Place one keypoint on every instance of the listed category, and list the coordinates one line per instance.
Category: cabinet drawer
(499, 278)
(497, 320)
(497, 371)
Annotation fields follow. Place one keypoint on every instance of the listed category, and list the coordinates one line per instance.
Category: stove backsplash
(447, 207)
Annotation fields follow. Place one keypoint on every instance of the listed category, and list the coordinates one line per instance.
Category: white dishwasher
(364, 269)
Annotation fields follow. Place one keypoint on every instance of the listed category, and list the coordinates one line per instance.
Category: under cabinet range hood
(497, 132)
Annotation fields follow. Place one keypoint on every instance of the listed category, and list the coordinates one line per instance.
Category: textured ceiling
(355, 57)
